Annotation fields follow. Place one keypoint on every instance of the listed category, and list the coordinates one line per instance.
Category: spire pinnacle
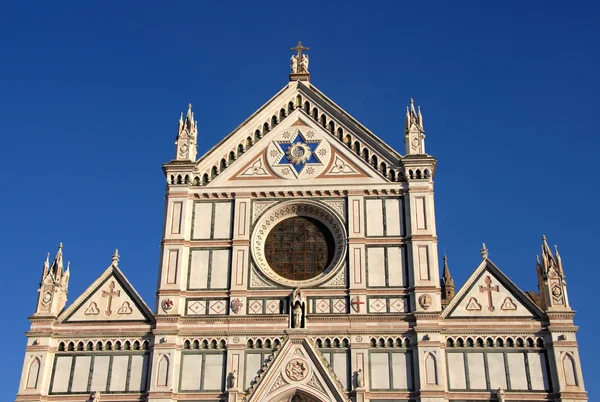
(484, 251)
(187, 134)
(447, 284)
(414, 134)
(115, 257)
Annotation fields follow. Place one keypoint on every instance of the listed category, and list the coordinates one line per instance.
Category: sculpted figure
(297, 304)
(233, 379)
(500, 395)
(96, 396)
(359, 379)
(305, 63)
(297, 316)
(294, 64)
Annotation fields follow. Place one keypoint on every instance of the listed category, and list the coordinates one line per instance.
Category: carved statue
(96, 396)
(294, 64)
(297, 305)
(305, 63)
(500, 395)
(359, 379)
(233, 379)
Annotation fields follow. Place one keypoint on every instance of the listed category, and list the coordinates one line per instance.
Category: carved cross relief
(110, 293)
(489, 289)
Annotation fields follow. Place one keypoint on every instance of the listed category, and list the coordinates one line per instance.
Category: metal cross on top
(299, 48)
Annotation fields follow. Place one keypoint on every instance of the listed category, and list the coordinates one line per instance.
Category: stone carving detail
(297, 370)
(92, 309)
(299, 62)
(166, 305)
(316, 384)
(508, 305)
(125, 309)
(473, 305)
(95, 397)
(339, 207)
(259, 207)
(338, 280)
(196, 307)
(236, 305)
(425, 302)
(256, 169)
(340, 166)
(278, 383)
(233, 379)
(500, 395)
(257, 282)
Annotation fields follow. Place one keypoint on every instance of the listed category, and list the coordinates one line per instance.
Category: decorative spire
(447, 278)
(299, 64)
(414, 134)
(115, 258)
(549, 264)
(551, 278)
(46, 266)
(484, 251)
(56, 270)
(187, 136)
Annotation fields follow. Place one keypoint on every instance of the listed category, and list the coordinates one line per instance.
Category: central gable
(298, 152)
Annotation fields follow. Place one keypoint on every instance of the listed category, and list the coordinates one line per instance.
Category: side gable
(490, 293)
(110, 298)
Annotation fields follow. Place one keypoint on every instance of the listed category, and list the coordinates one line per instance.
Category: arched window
(162, 375)
(392, 175)
(240, 150)
(33, 373)
(383, 169)
(223, 164)
(348, 140)
(265, 128)
(307, 107)
(298, 101)
(340, 133)
(291, 107)
(274, 120)
(374, 161)
(357, 147)
(213, 172)
(231, 157)
(323, 120)
(205, 179)
(315, 113)
(331, 127)
(365, 154)
(282, 114)
(257, 135)
(249, 142)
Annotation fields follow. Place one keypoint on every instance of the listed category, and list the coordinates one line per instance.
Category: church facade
(299, 263)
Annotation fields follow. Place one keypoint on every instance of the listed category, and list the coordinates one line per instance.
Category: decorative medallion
(356, 303)
(47, 297)
(359, 338)
(425, 302)
(318, 213)
(236, 305)
(297, 370)
(166, 304)
(298, 154)
(236, 339)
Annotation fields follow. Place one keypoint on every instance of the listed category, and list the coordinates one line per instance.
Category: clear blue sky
(91, 92)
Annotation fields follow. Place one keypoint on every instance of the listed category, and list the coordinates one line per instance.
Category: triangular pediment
(297, 367)
(358, 152)
(490, 293)
(298, 152)
(110, 298)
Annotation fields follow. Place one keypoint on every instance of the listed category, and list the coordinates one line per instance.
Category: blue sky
(91, 92)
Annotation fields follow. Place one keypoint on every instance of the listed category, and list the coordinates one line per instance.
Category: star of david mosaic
(298, 153)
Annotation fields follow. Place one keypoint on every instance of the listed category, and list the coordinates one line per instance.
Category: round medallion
(297, 370)
(298, 153)
(299, 243)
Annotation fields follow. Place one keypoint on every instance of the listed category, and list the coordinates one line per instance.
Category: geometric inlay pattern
(377, 306)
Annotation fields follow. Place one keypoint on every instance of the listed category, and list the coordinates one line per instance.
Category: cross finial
(299, 48)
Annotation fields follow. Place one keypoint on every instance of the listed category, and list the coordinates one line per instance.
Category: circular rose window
(299, 248)
(299, 243)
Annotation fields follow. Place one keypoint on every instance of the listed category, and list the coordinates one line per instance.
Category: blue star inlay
(299, 152)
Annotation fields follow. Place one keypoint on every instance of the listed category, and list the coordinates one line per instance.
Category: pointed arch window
(569, 370)
(431, 369)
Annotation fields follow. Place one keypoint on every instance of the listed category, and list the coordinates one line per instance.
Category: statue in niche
(297, 308)
(500, 395)
(233, 379)
(360, 382)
